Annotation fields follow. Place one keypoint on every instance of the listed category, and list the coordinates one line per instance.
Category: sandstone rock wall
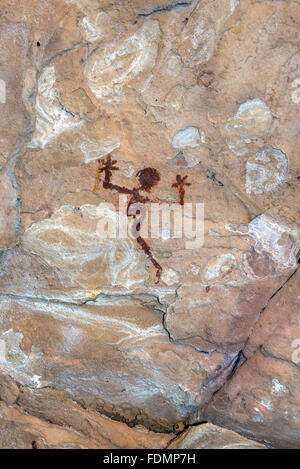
(97, 349)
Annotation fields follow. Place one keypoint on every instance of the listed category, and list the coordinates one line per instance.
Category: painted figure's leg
(147, 251)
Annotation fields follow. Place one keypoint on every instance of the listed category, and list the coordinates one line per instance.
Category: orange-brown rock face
(209, 436)
(262, 398)
(114, 341)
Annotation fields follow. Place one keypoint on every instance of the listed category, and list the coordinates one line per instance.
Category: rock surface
(96, 329)
(262, 399)
(88, 431)
(209, 436)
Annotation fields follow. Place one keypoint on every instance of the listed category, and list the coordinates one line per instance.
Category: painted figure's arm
(107, 168)
(120, 189)
(180, 185)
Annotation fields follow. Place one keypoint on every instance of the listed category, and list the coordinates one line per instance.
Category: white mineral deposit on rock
(92, 149)
(71, 241)
(93, 27)
(279, 240)
(278, 389)
(16, 362)
(127, 63)
(266, 170)
(218, 268)
(52, 116)
(170, 277)
(296, 91)
(252, 122)
(187, 137)
(175, 97)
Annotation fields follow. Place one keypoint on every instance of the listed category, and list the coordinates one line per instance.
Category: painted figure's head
(148, 177)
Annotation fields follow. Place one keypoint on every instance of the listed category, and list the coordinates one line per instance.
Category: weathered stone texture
(207, 90)
(209, 436)
(262, 399)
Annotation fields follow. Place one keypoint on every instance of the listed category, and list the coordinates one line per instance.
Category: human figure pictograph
(180, 183)
(148, 178)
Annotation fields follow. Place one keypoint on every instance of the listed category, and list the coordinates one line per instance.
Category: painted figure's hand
(180, 181)
(108, 165)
